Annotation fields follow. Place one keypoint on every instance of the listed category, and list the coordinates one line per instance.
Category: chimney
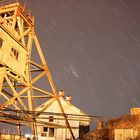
(68, 98)
(135, 111)
(100, 125)
(61, 94)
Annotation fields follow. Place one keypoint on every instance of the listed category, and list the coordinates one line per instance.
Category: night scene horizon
(92, 49)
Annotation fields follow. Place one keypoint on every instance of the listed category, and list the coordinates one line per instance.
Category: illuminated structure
(78, 120)
(20, 75)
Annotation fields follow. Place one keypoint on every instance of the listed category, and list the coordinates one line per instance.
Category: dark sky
(92, 48)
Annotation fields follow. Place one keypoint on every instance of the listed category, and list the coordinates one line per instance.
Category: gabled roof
(47, 104)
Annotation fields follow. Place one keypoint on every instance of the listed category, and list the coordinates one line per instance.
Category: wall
(18, 66)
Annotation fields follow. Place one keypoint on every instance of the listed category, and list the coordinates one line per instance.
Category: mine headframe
(20, 73)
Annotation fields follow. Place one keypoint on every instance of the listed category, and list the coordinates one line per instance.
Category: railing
(5, 2)
(24, 10)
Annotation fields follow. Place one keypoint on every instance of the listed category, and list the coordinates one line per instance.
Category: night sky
(92, 48)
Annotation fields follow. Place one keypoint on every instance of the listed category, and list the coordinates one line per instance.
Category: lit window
(1, 42)
(50, 118)
(14, 53)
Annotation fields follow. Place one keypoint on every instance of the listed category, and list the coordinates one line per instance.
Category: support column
(2, 73)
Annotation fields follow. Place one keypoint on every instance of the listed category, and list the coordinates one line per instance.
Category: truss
(23, 92)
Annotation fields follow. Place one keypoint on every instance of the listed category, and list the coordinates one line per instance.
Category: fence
(11, 137)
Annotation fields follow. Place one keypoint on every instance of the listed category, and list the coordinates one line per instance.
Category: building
(126, 127)
(54, 127)
(12, 53)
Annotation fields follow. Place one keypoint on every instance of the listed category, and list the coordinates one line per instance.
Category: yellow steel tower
(19, 73)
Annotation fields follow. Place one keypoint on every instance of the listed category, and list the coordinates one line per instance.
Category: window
(51, 132)
(43, 134)
(124, 134)
(1, 42)
(45, 129)
(50, 118)
(14, 53)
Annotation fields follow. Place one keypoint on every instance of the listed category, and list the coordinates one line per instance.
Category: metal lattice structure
(19, 74)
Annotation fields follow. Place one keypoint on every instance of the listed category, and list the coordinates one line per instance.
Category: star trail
(93, 51)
